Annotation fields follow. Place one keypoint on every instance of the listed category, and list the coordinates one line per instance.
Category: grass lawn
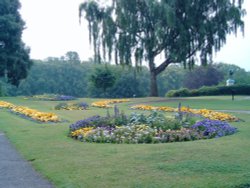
(67, 163)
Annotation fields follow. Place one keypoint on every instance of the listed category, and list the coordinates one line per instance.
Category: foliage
(74, 79)
(72, 57)
(241, 76)
(160, 122)
(144, 29)
(103, 78)
(202, 76)
(14, 55)
(56, 77)
(208, 91)
(129, 83)
(172, 78)
(156, 121)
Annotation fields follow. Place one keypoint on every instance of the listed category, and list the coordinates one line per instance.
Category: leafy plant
(137, 118)
(160, 122)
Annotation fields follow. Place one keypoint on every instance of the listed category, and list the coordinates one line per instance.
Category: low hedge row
(212, 90)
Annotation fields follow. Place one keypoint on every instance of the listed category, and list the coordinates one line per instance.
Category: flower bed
(4, 104)
(31, 113)
(106, 103)
(138, 128)
(52, 97)
(209, 114)
(75, 106)
(214, 128)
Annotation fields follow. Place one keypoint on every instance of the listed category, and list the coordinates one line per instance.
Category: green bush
(213, 90)
(183, 92)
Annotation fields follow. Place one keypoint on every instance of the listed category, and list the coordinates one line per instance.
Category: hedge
(212, 90)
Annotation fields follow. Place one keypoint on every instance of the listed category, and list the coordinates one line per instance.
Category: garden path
(15, 172)
(236, 111)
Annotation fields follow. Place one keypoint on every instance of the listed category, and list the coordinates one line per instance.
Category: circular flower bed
(154, 128)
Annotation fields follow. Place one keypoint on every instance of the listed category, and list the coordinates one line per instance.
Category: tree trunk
(153, 84)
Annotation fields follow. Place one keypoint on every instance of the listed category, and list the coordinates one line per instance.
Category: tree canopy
(72, 57)
(140, 30)
(14, 56)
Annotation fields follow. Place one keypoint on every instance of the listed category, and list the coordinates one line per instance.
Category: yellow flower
(34, 114)
(82, 131)
(210, 114)
(4, 104)
(105, 104)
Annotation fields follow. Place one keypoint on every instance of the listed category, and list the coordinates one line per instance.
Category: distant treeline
(62, 77)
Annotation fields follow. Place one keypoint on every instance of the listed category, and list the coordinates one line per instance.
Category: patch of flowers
(106, 103)
(74, 106)
(214, 128)
(30, 113)
(139, 128)
(4, 104)
(147, 107)
(52, 97)
(209, 114)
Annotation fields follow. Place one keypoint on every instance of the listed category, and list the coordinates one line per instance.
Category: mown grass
(67, 163)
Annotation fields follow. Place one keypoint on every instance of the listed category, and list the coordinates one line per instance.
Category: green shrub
(213, 90)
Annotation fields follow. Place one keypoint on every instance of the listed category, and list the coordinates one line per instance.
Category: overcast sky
(52, 29)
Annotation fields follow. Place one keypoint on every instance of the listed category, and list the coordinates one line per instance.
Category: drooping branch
(143, 29)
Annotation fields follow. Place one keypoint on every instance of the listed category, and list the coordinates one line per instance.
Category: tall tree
(72, 57)
(14, 56)
(103, 79)
(145, 29)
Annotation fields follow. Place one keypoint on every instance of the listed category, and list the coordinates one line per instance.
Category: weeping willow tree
(134, 31)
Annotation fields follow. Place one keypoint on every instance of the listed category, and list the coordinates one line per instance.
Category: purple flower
(83, 105)
(214, 128)
(89, 122)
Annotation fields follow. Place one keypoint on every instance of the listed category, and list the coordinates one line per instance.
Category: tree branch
(163, 66)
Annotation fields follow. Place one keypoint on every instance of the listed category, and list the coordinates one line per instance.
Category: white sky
(52, 29)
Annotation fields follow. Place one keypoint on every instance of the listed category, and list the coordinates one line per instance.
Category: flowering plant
(4, 104)
(209, 114)
(106, 103)
(75, 106)
(214, 128)
(139, 128)
(31, 113)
